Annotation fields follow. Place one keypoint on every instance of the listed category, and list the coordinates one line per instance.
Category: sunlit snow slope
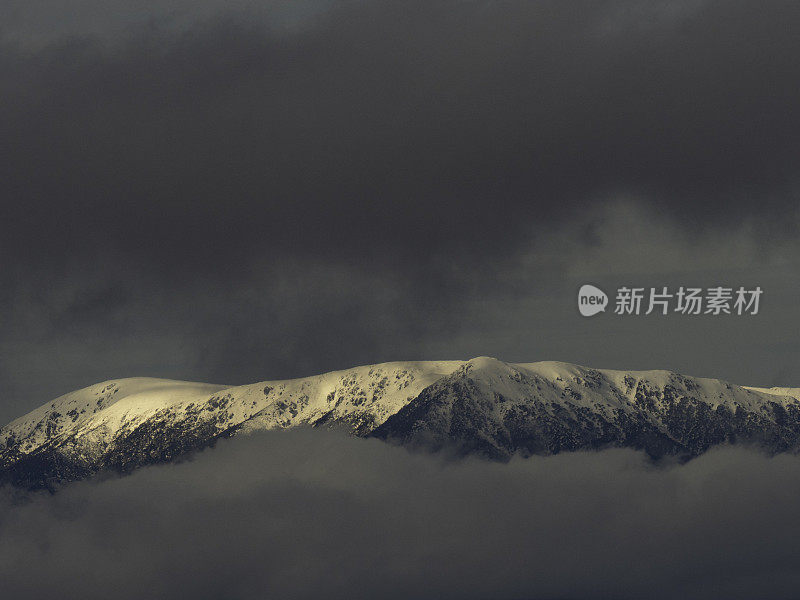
(122, 424)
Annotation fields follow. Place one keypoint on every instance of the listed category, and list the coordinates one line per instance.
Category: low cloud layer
(312, 514)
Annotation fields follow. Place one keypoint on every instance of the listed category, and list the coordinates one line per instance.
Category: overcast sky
(238, 191)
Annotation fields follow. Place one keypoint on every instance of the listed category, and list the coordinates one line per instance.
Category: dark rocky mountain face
(482, 406)
(158, 440)
(666, 415)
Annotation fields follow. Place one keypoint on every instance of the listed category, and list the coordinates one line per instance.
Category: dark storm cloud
(238, 191)
(388, 127)
(309, 514)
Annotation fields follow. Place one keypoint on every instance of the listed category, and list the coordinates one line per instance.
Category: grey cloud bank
(240, 191)
(306, 514)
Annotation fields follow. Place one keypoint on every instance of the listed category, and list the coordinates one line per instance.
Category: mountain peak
(482, 405)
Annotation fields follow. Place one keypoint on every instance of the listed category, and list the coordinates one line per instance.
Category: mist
(311, 514)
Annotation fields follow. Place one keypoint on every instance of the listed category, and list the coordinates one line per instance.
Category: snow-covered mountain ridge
(482, 406)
